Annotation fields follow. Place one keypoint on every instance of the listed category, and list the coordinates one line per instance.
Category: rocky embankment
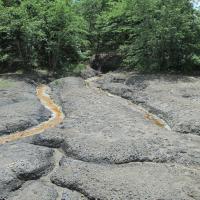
(107, 147)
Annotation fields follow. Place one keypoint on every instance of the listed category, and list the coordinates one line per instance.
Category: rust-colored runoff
(147, 115)
(56, 118)
(154, 120)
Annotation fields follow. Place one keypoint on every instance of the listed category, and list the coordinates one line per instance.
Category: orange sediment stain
(154, 120)
(56, 118)
(147, 115)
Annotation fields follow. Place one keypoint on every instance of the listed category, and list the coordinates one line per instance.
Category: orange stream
(57, 118)
(147, 115)
(153, 120)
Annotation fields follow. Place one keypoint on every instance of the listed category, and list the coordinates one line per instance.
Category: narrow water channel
(156, 120)
(56, 117)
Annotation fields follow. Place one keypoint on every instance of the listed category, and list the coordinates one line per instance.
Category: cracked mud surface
(106, 148)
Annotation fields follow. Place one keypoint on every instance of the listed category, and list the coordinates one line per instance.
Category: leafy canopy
(58, 34)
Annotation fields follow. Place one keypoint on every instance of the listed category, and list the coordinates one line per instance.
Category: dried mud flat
(141, 142)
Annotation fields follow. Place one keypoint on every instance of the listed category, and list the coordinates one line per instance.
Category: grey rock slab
(89, 72)
(116, 152)
(19, 107)
(72, 195)
(20, 162)
(175, 98)
(117, 88)
(50, 138)
(109, 129)
(136, 181)
(8, 182)
(35, 190)
(119, 149)
(20, 116)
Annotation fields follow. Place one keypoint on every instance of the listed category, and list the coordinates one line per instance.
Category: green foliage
(152, 34)
(91, 10)
(41, 33)
(4, 84)
(58, 34)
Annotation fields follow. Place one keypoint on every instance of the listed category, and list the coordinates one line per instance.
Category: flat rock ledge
(129, 181)
(20, 108)
(174, 98)
(105, 149)
(21, 162)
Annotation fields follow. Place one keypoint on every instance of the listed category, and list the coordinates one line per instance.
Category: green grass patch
(4, 84)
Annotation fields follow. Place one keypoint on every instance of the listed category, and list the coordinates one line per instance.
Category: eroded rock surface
(19, 106)
(175, 98)
(88, 72)
(129, 181)
(72, 195)
(106, 129)
(106, 148)
(35, 190)
(20, 162)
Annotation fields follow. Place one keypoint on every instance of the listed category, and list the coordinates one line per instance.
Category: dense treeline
(40, 33)
(58, 34)
(149, 34)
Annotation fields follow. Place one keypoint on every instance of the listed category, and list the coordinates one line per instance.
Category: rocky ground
(174, 98)
(106, 147)
(19, 106)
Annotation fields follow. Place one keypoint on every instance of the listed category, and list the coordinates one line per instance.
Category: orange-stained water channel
(56, 118)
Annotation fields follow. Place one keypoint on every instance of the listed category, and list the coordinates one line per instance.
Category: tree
(152, 34)
(91, 10)
(41, 34)
(58, 34)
